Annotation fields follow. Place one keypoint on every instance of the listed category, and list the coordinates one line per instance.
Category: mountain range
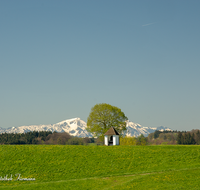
(77, 127)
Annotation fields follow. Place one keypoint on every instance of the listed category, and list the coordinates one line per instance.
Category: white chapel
(111, 137)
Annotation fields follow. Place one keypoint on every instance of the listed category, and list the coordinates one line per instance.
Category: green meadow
(100, 167)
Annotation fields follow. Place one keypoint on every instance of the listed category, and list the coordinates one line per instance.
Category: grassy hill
(100, 167)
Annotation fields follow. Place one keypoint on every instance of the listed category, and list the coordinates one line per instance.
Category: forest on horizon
(156, 138)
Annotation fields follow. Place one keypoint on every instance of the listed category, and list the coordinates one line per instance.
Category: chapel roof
(111, 131)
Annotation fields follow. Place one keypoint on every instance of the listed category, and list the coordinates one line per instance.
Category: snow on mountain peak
(77, 127)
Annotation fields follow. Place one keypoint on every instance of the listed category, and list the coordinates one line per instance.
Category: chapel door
(111, 140)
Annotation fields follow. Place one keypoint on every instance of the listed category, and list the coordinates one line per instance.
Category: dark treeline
(23, 138)
(174, 137)
(47, 137)
(43, 137)
(164, 138)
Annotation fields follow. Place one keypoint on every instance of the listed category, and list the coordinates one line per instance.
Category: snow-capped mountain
(76, 127)
(135, 129)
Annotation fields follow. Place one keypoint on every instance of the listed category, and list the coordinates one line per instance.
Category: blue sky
(60, 58)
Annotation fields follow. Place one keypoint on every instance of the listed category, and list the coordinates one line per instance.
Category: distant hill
(76, 127)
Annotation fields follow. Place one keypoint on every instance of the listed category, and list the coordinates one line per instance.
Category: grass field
(100, 167)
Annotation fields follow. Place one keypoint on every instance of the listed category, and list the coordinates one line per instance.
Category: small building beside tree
(111, 137)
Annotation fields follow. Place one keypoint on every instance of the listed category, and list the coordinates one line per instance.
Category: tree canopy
(102, 117)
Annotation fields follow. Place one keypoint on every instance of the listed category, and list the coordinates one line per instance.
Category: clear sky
(60, 58)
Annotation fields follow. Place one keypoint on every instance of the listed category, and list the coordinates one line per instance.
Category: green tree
(197, 139)
(102, 117)
(75, 141)
(156, 134)
(141, 140)
(179, 138)
(127, 140)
